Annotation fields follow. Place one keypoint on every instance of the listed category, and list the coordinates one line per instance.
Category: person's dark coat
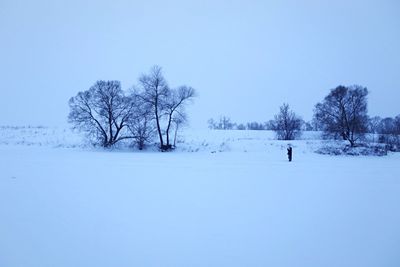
(289, 153)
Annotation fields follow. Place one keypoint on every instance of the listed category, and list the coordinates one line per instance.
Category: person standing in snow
(289, 153)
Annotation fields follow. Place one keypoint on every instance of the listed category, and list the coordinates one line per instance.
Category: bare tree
(307, 126)
(175, 108)
(179, 121)
(166, 104)
(344, 113)
(140, 125)
(373, 126)
(316, 125)
(224, 123)
(241, 127)
(269, 125)
(102, 112)
(155, 93)
(211, 124)
(397, 124)
(389, 132)
(287, 125)
(255, 126)
(387, 126)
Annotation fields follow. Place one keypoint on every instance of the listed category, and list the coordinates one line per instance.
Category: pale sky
(245, 58)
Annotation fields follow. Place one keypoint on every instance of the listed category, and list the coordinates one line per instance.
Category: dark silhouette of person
(290, 153)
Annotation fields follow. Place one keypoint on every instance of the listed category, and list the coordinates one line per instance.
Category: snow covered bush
(338, 148)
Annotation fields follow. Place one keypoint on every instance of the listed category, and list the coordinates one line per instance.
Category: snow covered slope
(40, 136)
(188, 141)
(235, 202)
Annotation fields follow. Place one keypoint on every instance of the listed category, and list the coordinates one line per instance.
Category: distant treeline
(342, 114)
(225, 123)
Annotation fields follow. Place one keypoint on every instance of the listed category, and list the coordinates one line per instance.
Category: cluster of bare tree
(387, 130)
(342, 114)
(286, 124)
(108, 114)
(225, 123)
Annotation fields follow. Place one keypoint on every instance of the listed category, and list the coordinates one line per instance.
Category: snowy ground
(226, 198)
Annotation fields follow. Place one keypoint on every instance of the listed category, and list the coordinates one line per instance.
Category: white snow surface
(224, 198)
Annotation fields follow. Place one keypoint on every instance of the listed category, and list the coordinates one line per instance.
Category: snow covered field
(225, 198)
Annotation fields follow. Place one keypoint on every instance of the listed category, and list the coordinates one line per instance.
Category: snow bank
(40, 136)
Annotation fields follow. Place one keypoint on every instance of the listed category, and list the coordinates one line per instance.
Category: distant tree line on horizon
(108, 115)
(342, 114)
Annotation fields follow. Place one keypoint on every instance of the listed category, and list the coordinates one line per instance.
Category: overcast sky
(245, 58)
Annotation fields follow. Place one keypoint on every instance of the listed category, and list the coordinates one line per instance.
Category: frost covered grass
(235, 202)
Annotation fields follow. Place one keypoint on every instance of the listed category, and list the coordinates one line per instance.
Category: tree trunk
(168, 128)
(158, 124)
(176, 132)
